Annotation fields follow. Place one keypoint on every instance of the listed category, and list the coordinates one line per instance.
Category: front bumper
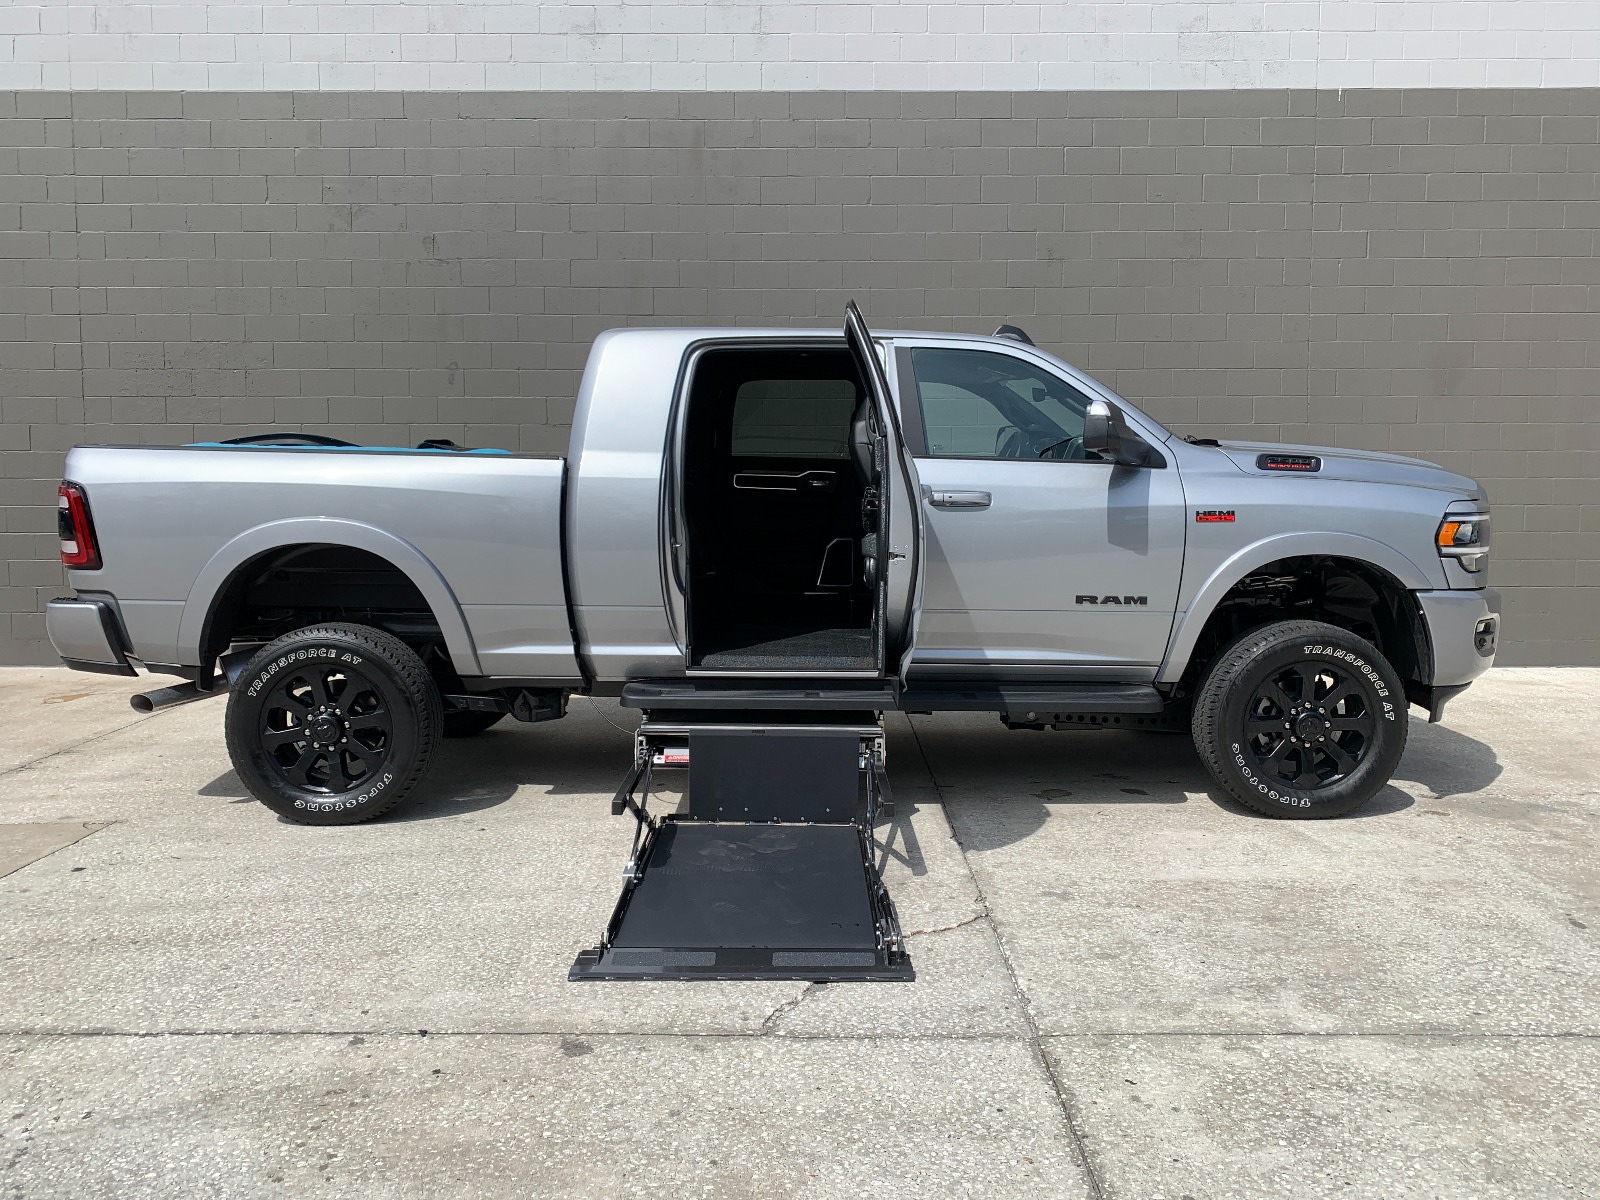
(1464, 627)
(88, 636)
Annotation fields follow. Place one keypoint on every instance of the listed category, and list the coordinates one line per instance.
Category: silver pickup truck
(756, 519)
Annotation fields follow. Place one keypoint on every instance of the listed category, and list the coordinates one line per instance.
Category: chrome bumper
(87, 635)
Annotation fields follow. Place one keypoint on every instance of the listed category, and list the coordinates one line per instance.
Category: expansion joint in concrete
(88, 741)
(1035, 1038)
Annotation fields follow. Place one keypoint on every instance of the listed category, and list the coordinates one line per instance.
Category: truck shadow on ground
(1016, 777)
(577, 756)
(1001, 786)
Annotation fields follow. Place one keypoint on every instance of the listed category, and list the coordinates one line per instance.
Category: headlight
(1465, 538)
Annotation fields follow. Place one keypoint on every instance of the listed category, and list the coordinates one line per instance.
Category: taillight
(78, 547)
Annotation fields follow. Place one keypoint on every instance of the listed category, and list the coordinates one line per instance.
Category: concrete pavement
(1127, 987)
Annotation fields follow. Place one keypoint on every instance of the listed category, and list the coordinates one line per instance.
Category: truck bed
(478, 533)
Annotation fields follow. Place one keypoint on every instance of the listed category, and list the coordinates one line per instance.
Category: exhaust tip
(180, 693)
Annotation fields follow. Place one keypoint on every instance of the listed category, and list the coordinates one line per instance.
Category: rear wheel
(333, 724)
(1301, 719)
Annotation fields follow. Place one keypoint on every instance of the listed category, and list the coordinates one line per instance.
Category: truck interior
(780, 489)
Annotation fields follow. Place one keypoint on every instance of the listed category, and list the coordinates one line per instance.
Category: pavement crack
(770, 1025)
(1035, 1037)
(88, 741)
(972, 920)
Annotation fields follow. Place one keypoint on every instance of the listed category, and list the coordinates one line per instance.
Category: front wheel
(333, 724)
(1301, 719)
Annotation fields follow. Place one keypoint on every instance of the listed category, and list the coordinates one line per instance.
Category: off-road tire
(1252, 721)
(333, 684)
(470, 724)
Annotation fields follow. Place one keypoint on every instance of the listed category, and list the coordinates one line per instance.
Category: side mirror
(1100, 434)
(1104, 434)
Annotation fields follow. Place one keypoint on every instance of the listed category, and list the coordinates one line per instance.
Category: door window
(983, 404)
(793, 418)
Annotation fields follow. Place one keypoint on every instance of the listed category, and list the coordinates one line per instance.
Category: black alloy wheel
(1308, 726)
(333, 724)
(1301, 719)
(325, 728)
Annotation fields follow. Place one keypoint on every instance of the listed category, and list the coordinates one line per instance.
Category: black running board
(719, 694)
(1033, 698)
(881, 696)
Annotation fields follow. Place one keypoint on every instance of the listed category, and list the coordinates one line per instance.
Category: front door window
(981, 404)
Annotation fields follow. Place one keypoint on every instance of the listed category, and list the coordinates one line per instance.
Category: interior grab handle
(941, 499)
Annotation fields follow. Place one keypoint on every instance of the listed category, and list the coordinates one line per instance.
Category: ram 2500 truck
(755, 519)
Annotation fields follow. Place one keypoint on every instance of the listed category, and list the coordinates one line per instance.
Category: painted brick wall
(1008, 45)
(1401, 270)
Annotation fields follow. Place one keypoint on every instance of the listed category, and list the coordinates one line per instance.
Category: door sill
(769, 673)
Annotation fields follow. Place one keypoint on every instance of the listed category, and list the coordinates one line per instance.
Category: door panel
(1006, 583)
(900, 525)
(1072, 565)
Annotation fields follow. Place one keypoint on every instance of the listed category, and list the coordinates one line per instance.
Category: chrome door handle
(959, 499)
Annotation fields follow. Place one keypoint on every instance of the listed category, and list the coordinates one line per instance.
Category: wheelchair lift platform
(770, 873)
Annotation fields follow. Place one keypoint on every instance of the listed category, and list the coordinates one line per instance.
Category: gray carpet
(755, 649)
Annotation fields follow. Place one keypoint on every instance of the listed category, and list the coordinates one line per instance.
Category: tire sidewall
(251, 695)
(1382, 690)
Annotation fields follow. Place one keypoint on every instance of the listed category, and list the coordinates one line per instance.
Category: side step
(953, 696)
(770, 874)
(670, 694)
(1033, 698)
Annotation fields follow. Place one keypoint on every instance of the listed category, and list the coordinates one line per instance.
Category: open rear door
(899, 535)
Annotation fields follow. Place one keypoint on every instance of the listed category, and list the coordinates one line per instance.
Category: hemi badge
(1213, 514)
(1288, 462)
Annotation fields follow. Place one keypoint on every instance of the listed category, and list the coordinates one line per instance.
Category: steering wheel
(1062, 450)
(1010, 442)
(1016, 443)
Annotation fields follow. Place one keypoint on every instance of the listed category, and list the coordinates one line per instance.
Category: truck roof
(698, 332)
